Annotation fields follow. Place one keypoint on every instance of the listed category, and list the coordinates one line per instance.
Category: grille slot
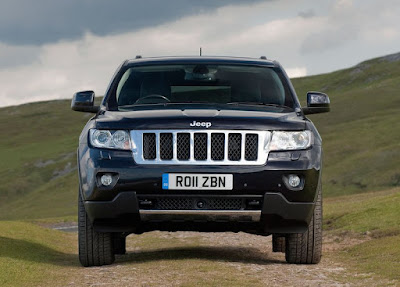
(183, 146)
(235, 147)
(202, 147)
(149, 146)
(166, 146)
(218, 146)
(251, 147)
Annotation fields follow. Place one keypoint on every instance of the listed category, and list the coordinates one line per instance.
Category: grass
(376, 214)
(32, 256)
(379, 256)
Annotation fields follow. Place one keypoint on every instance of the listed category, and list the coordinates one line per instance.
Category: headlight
(110, 139)
(290, 140)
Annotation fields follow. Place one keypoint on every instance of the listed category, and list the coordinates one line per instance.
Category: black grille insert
(149, 146)
(200, 146)
(225, 203)
(183, 146)
(174, 203)
(217, 146)
(235, 147)
(166, 147)
(251, 147)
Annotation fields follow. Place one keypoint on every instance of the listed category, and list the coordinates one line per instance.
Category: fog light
(106, 179)
(294, 180)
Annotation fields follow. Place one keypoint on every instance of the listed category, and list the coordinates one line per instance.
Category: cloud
(297, 72)
(27, 22)
(11, 55)
(350, 22)
(57, 70)
(307, 13)
(62, 68)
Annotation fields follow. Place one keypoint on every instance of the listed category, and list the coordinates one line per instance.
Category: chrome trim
(210, 215)
(264, 138)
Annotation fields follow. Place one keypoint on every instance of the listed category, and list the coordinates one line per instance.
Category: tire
(278, 243)
(306, 248)
(95, 248)
(119, 244)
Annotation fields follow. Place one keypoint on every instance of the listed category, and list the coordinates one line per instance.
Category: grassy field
(31, 255)
(375, 215)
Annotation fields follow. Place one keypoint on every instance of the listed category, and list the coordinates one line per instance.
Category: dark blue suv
(203, 144)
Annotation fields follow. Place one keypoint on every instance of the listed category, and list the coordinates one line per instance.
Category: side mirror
(84, 102)
(316, 103)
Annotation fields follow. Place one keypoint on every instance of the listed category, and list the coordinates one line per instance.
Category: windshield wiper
(259, 104)
(246, 103)
(278, 106)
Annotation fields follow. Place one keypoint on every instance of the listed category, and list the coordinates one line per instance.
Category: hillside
(361, 141)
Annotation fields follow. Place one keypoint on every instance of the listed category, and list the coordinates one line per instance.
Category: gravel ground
(236, 255)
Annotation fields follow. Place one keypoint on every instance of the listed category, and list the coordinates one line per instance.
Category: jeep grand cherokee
(205, 144)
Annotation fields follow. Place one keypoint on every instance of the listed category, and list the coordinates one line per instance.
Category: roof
(202, 59)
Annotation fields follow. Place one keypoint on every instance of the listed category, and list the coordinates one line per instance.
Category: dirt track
(218, 259)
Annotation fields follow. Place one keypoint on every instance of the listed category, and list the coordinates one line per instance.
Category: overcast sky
(50, 49)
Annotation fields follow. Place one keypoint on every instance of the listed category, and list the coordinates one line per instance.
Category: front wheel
(306, 248)
(95, 248)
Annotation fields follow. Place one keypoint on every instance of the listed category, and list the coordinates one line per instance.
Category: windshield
(211, 84)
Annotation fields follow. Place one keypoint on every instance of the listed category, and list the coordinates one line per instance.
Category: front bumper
(122, 214)
(117, 209)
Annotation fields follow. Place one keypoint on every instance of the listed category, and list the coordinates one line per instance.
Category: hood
(199, 119)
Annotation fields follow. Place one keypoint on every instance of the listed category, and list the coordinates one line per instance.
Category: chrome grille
(201, 147)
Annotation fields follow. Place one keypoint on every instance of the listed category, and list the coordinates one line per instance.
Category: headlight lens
(110, 139)
(290, 140)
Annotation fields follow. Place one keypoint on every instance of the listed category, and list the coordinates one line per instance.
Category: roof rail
(263, 58)
(138, 57)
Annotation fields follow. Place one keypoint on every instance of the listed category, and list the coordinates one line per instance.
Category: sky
(50, 49)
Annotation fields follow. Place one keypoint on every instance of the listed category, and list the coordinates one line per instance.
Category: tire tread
(95, 248)
(306, 248)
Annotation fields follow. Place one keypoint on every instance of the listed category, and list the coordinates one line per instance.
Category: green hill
(361, 141)
(361, 134)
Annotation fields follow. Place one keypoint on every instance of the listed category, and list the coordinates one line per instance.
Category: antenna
(200, 51)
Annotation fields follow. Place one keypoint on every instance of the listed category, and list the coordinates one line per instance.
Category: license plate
(197, 181)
